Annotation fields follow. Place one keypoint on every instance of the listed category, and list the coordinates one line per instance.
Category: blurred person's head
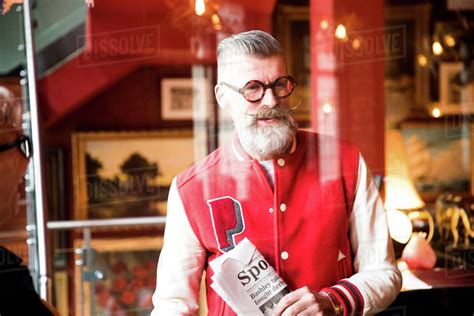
(14, 150)
(253, 84)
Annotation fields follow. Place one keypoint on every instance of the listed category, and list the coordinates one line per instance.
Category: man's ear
(220, 95)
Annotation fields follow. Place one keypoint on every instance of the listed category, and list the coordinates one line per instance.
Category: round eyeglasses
(254, 90)
(23, 143)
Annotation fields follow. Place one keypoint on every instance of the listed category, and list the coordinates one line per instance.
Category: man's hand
(304, 302)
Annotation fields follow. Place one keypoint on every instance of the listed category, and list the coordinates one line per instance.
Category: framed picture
(453, 97)
(438, 157)
(181, 97)
(293, 23)
(407, 84)
(127, 174)
(119, 278)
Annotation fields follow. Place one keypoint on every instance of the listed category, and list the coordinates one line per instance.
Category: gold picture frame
(184, 98)
(127, 174)
(126, 265)
(453, 98)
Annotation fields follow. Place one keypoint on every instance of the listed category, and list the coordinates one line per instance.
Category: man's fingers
(306, 303)
(302, 296)
(286, 301)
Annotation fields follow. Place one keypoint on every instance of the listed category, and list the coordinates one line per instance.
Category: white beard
(266, 142)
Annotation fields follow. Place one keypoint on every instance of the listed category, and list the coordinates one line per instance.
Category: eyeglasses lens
(283, 87)
(255, 90)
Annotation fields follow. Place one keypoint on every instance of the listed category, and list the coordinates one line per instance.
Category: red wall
(152, 33)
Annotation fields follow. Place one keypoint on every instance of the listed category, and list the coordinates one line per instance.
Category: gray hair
(253, 43)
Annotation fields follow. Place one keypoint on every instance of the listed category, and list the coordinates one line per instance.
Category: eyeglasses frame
(265, 88)
(17, 143)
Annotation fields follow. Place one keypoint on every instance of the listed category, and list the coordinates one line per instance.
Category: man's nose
(269, 99)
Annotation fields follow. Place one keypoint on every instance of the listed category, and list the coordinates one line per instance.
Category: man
(17, 294)
(306, 201)
(13, 159)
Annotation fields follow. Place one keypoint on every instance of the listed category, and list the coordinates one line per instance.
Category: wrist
(338, 308)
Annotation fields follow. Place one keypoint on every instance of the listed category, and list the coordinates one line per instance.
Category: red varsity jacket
(300, 226)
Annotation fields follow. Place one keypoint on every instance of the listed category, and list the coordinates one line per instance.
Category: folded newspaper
(246, 282)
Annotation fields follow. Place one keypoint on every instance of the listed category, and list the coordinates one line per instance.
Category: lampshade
(400, 192)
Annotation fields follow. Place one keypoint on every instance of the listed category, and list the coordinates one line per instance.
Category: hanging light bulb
(215, 19)
(327, 107)
(437, 48)
(216, 22)
(324, 24)
(436, 112)
(356, 43)
(449, 40)
(199, 7)
(422, 60)
(341, 32)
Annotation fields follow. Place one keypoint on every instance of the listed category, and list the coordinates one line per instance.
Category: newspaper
(246, 282)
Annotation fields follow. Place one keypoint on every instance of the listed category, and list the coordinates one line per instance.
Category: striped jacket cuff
(348, 296)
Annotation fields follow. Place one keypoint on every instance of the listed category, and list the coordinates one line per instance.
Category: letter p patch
(227, 221)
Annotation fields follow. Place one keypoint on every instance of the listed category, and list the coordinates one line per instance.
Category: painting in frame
(454, 98)
(292, 22)
(184, 98)
(121, 278)
(127, 174)
(406, 83)
(438, 157)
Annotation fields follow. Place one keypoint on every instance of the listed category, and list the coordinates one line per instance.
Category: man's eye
(281, 85)
(252, 87)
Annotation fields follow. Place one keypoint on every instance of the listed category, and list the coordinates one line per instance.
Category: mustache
(280, 111)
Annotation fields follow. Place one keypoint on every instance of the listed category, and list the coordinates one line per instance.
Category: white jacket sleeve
(180, 265)
(377, 280)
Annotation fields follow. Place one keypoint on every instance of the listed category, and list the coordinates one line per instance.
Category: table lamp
(405, 213)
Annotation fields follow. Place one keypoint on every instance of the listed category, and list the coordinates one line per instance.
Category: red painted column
(348, 74)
